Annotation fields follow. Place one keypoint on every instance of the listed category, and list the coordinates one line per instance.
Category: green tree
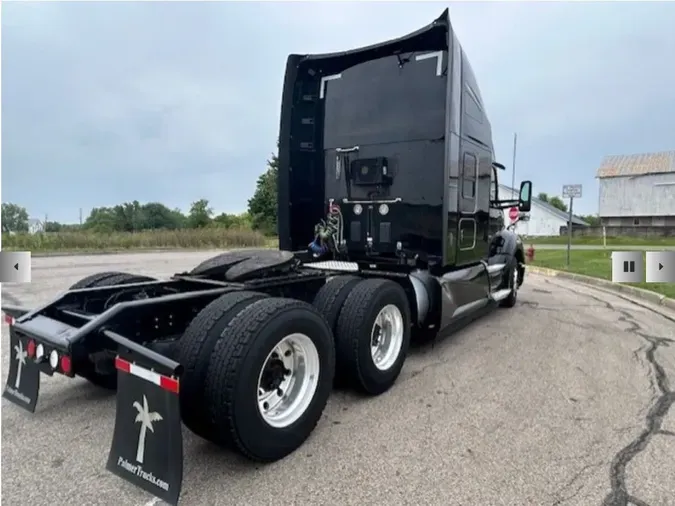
(102, 219)
(14, 218)
(592, 219)
(134, 216)
(156, 216)
(200, 214)
(225, 220)
(557, 203)
(53, 226)
(262, 207)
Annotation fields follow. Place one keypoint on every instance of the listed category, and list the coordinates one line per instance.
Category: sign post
(570, 191)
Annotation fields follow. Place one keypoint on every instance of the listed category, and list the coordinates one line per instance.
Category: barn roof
(551, 209)
(637, 165)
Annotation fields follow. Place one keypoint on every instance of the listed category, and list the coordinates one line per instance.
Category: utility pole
(513, 175)
(80, 216)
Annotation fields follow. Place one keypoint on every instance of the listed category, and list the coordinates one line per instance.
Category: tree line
(134, 216)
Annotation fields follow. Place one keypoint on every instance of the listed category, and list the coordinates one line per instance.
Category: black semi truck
(390, 229)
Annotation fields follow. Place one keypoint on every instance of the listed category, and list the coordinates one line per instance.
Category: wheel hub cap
(288, 380)
(387, 337)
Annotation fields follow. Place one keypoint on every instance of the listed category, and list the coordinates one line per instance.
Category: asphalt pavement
(565, 399)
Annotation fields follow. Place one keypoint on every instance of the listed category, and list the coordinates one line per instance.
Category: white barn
(637, 190)
(544, 219)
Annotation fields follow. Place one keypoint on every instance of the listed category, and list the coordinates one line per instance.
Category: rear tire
(331, 297)
(195, 350)
(243, 370)
(329, 301)
(373, 335)
(87, 369)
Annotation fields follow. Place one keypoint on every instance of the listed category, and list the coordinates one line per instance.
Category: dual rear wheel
(258, 373)
(370, 320)
(259, 370)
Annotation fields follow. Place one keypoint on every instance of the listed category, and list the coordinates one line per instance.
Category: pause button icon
(628, 266)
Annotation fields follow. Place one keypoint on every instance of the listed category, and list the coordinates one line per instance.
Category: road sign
(571, 191)
(513, 213)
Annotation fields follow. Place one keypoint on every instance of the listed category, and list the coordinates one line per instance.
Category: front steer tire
(355, 332)
(194, 353)
(235, 369)
(512, 282)
(98, 280)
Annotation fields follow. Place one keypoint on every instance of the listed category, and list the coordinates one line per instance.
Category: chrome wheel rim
(288, 380)
(386, 338)
(515, 280)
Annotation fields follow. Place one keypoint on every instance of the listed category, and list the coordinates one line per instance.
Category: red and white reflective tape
(9, 320)
(164, 382)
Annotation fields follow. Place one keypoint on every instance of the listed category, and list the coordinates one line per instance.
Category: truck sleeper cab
(396, 138)
(385, 209)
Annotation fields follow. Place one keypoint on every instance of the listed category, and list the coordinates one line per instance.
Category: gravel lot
(562, 400)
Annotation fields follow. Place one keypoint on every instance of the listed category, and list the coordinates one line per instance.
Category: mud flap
(147, 445)
(23, 381)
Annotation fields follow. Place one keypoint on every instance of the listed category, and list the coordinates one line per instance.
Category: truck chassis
(172, 348)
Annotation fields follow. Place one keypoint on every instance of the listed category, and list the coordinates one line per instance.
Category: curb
(639, 293)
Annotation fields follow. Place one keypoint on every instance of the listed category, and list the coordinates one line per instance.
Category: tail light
(31, 348)
(9, 320)
(66, 364)
(40, 352)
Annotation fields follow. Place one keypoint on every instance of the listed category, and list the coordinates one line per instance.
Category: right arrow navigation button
(660, 267)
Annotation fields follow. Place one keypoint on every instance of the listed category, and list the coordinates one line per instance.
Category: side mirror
(525, 197)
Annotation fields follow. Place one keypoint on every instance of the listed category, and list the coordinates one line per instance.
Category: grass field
(597, 241)
(592, 263)
(81, 242)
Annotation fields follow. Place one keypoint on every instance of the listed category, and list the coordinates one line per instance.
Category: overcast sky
(172, 102)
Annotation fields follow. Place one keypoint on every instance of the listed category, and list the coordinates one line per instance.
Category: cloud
(107, 102)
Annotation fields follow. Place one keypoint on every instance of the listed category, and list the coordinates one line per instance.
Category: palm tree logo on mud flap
(20, 356)
(145, 417)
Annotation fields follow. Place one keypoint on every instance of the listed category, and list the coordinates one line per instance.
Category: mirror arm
(505, 204)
